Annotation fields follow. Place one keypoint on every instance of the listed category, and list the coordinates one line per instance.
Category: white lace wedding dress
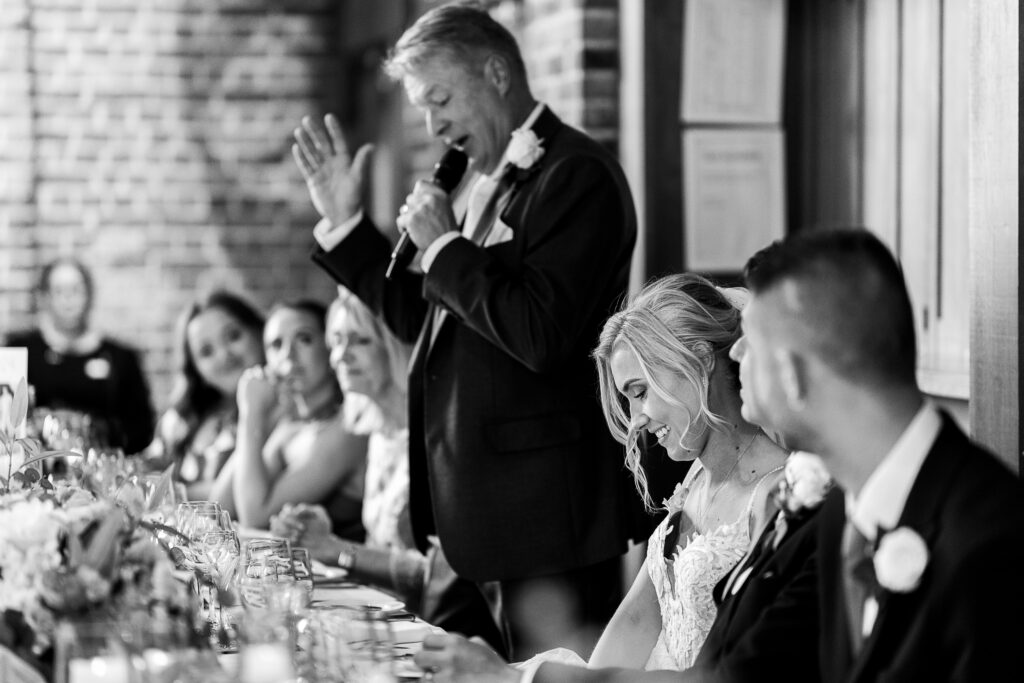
(685, 578)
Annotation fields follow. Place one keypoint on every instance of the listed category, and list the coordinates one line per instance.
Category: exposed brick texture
(151, 139)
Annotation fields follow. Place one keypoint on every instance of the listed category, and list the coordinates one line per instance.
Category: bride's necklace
(702, 511)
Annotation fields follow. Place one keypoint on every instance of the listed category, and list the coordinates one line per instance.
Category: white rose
(808, 479)
(900, 560)
(524, 149)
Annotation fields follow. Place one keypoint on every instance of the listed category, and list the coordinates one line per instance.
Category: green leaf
(46, 484)
(51, 454)
(31, 447)
(162, 490)
(19, 408)
(100, 553)
(31, 475)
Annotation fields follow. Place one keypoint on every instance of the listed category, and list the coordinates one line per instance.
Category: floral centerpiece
(70, 549)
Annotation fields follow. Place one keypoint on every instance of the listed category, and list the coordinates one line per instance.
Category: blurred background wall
(151, 139)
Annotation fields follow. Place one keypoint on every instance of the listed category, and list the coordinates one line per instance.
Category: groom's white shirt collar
(884, 495)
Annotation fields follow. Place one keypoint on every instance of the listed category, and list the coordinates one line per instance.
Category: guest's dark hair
(851, 298)
(192, 397)
(43, 283)
(462, 31)
(310, 306)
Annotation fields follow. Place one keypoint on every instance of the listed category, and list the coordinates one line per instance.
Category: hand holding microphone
(448, 173)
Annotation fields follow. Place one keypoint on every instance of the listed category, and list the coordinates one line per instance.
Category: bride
(664, 368)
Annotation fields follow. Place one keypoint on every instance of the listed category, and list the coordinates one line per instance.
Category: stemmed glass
(185, 519)
(219, 552)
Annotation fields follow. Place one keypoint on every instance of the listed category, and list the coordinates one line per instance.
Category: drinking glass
(303, 567)
(219, 551)
(370, 644)
(266, 647)
(90, 650)
(266, 561)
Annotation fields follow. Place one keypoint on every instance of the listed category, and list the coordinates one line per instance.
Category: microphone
(448, 172)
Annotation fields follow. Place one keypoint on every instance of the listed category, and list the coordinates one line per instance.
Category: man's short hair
(851, 301)
(461, 31)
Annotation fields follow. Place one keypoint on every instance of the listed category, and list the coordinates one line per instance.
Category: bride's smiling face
(668, 420)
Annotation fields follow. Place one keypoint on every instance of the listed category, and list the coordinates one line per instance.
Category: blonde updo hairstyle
(682, 324)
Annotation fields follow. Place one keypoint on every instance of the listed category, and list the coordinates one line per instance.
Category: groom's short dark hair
(852, 296)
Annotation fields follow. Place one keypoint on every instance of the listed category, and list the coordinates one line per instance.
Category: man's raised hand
(335, 179)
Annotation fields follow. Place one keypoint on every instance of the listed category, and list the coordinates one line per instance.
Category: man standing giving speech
(510, 462)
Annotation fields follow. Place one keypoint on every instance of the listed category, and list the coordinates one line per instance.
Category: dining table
(334, 593)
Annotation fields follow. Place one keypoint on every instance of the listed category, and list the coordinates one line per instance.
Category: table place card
(13, 368)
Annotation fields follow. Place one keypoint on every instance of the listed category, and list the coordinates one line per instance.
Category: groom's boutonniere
(802, 489)
(900, 559)
(525, 149)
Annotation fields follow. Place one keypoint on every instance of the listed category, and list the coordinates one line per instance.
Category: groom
(920, 566)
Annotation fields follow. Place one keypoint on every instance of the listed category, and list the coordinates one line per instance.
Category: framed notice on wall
(733, 57)
(734, 195)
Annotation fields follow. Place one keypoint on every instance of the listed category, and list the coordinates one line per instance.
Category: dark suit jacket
(765, 631)
(511, 462)
(964, 621)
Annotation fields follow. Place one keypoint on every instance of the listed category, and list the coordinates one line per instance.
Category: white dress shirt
(880, 503)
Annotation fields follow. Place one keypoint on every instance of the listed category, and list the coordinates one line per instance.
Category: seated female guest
(217, 338)
(664, 369)
(293, 443)
(372, 366)
(73, 367)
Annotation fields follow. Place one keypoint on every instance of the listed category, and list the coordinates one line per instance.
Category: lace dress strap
(757, 487)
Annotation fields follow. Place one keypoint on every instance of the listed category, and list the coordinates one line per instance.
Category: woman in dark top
(73, 367)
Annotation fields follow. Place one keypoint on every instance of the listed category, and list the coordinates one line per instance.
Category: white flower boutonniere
(805, 484)
(525, 149)
(801, 490)
(900, 560)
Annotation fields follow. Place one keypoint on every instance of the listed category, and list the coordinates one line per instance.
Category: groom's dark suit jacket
(511, 462)
(965, 621)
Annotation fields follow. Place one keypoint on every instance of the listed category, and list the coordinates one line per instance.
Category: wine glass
(303, 568)
(220, 552)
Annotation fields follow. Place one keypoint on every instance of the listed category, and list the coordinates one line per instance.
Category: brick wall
(151, 139)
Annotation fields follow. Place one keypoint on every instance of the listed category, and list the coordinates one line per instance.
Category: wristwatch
(346, 558)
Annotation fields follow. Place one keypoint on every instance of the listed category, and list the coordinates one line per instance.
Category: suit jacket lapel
(546, 128)
(920, 513)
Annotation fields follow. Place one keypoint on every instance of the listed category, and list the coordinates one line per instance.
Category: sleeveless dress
(684, 576)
